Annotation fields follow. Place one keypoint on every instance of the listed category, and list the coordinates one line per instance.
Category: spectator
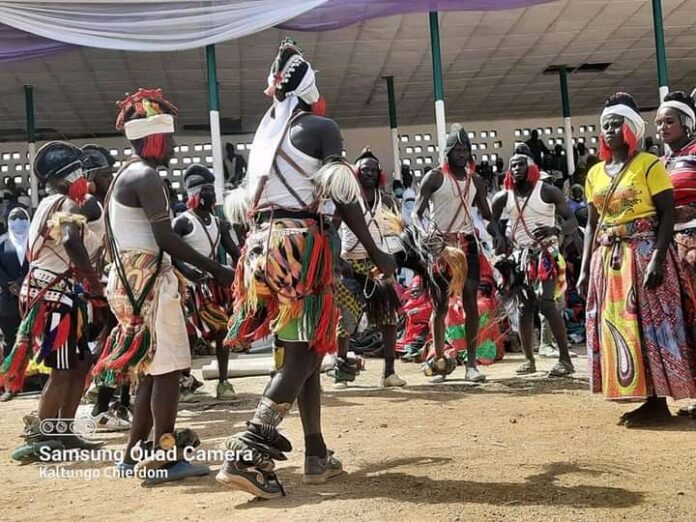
(409, 199)
(235, 166)
(13, 268)
(537, 147)
(24, 200)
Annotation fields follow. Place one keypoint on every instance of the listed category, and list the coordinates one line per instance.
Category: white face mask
(19, 227)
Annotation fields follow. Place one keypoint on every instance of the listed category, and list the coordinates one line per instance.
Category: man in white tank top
(150, 340)
(56, 297)
(284, 281)
(370, 294)
(208, 302)
(450, 191)
(534, 272)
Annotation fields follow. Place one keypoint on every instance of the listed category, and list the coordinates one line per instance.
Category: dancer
(450, 191)
(363, 292)
(676, 123)
(536, 278)
(97, 165)
(150, 341)
(284, 279)
(57, 297)
(208, 300)
(639, 331)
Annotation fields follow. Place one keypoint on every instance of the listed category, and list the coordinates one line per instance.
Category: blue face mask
(399, 193)
(19, 227)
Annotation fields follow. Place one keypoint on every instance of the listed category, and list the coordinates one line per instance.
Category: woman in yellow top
(642, 347)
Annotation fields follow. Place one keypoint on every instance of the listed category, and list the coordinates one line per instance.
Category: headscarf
(457, 135)
(195, 178)
(288, 68)
(622, 104)
(18, 232)
(686, 113)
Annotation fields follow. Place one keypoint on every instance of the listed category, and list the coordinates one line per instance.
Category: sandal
(526, 367)
(562, 369)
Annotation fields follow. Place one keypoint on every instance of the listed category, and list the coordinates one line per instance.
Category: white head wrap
(631, 117)
(684, 109)
(274, 123)
(143, 127)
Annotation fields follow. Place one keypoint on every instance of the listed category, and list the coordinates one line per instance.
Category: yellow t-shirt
(645, 176)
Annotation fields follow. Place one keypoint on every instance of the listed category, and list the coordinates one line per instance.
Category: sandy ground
(511, 449)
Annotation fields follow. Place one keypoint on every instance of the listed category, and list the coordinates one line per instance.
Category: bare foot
(654, 411)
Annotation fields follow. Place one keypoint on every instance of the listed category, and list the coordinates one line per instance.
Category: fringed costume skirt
(150, 338)
(641, 342)
(207, 309)
(55, 328)
(284, 285)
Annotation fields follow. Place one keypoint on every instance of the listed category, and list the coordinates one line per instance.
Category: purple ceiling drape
(336, 14)
(333, 14)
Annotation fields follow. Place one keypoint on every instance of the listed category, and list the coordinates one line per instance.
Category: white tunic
(203, 239)
(275, 191)
(535, 213)
(380, 230)
(451, 204)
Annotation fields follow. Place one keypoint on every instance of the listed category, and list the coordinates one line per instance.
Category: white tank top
(47, 253)
(131, 228)
(380, 230)
(198, 238)
(94, 237)
(275, 192)
(535, 213)
(451, 205)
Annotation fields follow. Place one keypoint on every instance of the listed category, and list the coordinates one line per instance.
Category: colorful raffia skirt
(207, 309)
(641, 342)
(150, 338)
(54, 330)
(284, 285)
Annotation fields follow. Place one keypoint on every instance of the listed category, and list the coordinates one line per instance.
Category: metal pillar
(440, 122)
(215, 137)
(31, 144)
(393, 125)
(565, 102)
(660, 49)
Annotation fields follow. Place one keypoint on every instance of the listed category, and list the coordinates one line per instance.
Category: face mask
(78, 190)
(19, 227)
(399, 193)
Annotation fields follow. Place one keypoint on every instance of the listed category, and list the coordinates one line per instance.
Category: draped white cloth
(149, 25)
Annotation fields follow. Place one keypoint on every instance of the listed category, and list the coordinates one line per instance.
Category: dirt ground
(511, 449)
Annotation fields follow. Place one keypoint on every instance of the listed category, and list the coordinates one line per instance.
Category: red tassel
(14, 376)
(319, 107)
(125, 358)
(193, 201)
(604, 150)
(63, 333)
(314, 262)
(155, 147)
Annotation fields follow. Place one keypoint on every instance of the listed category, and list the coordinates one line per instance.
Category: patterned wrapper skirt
(207, 309)
(641, 342)
(284, 285)
(363, 293)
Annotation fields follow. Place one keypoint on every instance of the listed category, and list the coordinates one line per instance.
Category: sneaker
(187, 396)
(474, 375)
(195, 383)
(340, 385)
(318, 470)
(548, 351)
(111, 421)
(393, 381)
(7, 396)
(225, 391)
(263, 484)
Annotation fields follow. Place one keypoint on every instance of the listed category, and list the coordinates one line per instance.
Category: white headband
(143, 127)
(683, 108)
(632, 118)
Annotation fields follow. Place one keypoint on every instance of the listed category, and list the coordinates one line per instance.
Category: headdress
(522, 151)
(622, 104)
(57, 160)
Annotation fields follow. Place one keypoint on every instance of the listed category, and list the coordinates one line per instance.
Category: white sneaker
(340, 385)
(393, 381)
(548, 351)
(110, 421)
(474, 375)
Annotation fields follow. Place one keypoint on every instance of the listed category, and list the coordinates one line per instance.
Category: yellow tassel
(56, 221)
(455, 260)
(394, 223)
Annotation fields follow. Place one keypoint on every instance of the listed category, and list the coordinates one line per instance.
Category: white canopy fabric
(149, 25)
